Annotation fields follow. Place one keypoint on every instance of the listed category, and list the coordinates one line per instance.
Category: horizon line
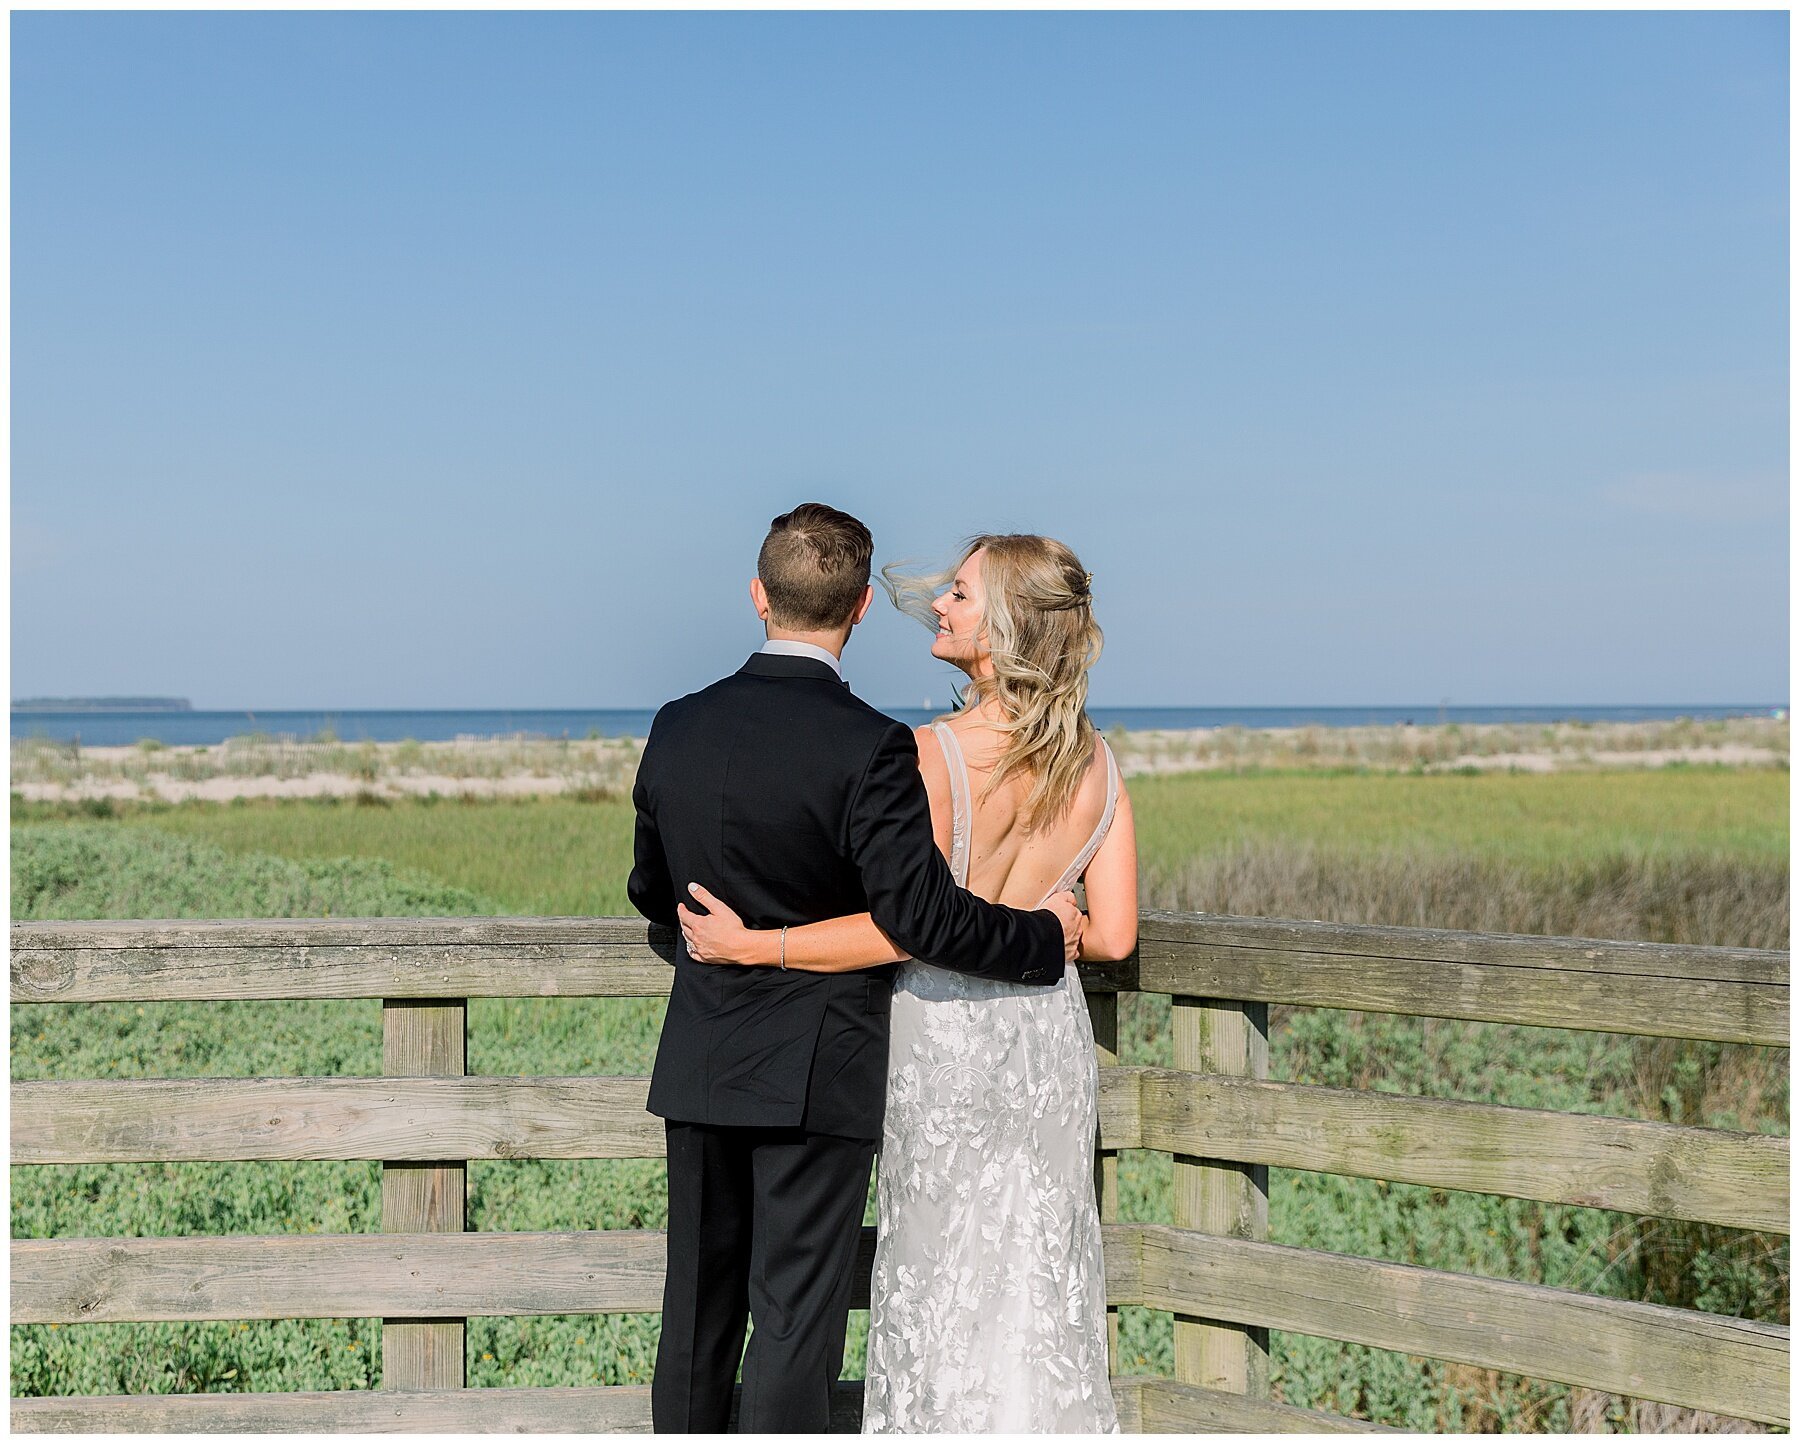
(908, 706)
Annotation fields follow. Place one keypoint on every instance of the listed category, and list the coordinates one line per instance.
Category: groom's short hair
(814, 565)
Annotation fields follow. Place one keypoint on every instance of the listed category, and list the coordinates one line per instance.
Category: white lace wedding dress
(988, 1302)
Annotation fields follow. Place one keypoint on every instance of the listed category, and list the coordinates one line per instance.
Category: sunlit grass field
(1552, 820)
(1684, 854)
(549, 855)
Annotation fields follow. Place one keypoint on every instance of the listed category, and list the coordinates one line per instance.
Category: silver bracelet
(784, 947)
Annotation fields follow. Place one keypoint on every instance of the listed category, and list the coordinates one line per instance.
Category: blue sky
(458, 359)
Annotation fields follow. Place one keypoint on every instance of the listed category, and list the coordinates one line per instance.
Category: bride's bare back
(1007, 864)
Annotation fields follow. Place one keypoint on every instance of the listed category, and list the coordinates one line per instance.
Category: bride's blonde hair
(1037, 614)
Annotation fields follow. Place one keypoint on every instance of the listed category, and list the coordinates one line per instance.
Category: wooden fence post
(1103, 1009)
(423, 1036)
(1216, 1035)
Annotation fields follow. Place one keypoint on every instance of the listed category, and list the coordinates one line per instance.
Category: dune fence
(1215, 1268)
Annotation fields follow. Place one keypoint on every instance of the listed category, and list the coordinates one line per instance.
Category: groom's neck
(832, 642)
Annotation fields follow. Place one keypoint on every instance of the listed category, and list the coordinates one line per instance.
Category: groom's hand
(1073, 919)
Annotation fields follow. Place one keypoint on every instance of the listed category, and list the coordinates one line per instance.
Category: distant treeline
(103, 704)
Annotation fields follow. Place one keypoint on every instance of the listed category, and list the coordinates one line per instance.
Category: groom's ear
(862, 607)
(759, 598)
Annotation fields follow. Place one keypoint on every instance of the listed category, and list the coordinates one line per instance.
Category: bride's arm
(1112, 926)
(837, 945)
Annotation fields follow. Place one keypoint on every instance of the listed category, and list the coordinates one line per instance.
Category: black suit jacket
(793, 800)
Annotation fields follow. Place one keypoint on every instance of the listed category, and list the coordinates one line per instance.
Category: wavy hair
(1037, 615)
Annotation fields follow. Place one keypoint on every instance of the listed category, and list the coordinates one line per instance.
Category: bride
(988, 1301)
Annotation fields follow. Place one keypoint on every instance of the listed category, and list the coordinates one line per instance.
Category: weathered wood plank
(1170, 1407)
(1128, 1402)
(424, 1275)
(1113, 977)
(1696, 1360)
(1676, 1356)
(480, 957)
(1736, 1179)
(1676, 961)
(190, 1119)
(186, 1119)
(254, 933)
(284, 1276)
(373, 970)
(205, 961)
(1544, 982)
(1121, 1118)
(620, 1409)
(617, 1409)
(1220, 1195)
(1123, 1244)
(1145, 1405)
(424, 1036)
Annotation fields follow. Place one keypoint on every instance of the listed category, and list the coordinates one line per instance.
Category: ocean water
(104, 729)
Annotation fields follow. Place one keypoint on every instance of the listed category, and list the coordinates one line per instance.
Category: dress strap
(1086, 855)
(958, 768)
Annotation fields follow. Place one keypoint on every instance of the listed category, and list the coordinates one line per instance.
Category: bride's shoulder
(934, 769)
(1090, 789)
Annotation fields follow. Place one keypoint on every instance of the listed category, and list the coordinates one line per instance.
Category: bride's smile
(958, 610)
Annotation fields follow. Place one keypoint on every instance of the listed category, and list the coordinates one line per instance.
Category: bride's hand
(718, 935)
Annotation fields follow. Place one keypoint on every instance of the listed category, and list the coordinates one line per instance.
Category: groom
(780, 789)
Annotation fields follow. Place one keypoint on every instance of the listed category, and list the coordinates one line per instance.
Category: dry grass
(1725, 901)
(592, 765)
(48, 769)
(1592, 1412)
(1401, 748)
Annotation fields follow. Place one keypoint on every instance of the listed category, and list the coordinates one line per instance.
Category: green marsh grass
(1554, 819)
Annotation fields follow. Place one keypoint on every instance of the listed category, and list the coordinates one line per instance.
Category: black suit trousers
(763, 1224)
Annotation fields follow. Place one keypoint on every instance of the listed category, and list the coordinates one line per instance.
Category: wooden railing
(1214, 1269)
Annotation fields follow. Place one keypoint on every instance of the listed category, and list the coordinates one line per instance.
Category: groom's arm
(913, 897)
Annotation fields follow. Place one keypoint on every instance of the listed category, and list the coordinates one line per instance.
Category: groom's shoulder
(850, 718)
(679, 712)
(868, 723)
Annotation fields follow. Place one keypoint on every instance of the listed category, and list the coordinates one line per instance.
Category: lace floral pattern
(988, 1303)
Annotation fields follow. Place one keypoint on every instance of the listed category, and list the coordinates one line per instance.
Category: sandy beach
(510, 767)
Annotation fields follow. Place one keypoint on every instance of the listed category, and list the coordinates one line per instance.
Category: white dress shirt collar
(782, 647)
